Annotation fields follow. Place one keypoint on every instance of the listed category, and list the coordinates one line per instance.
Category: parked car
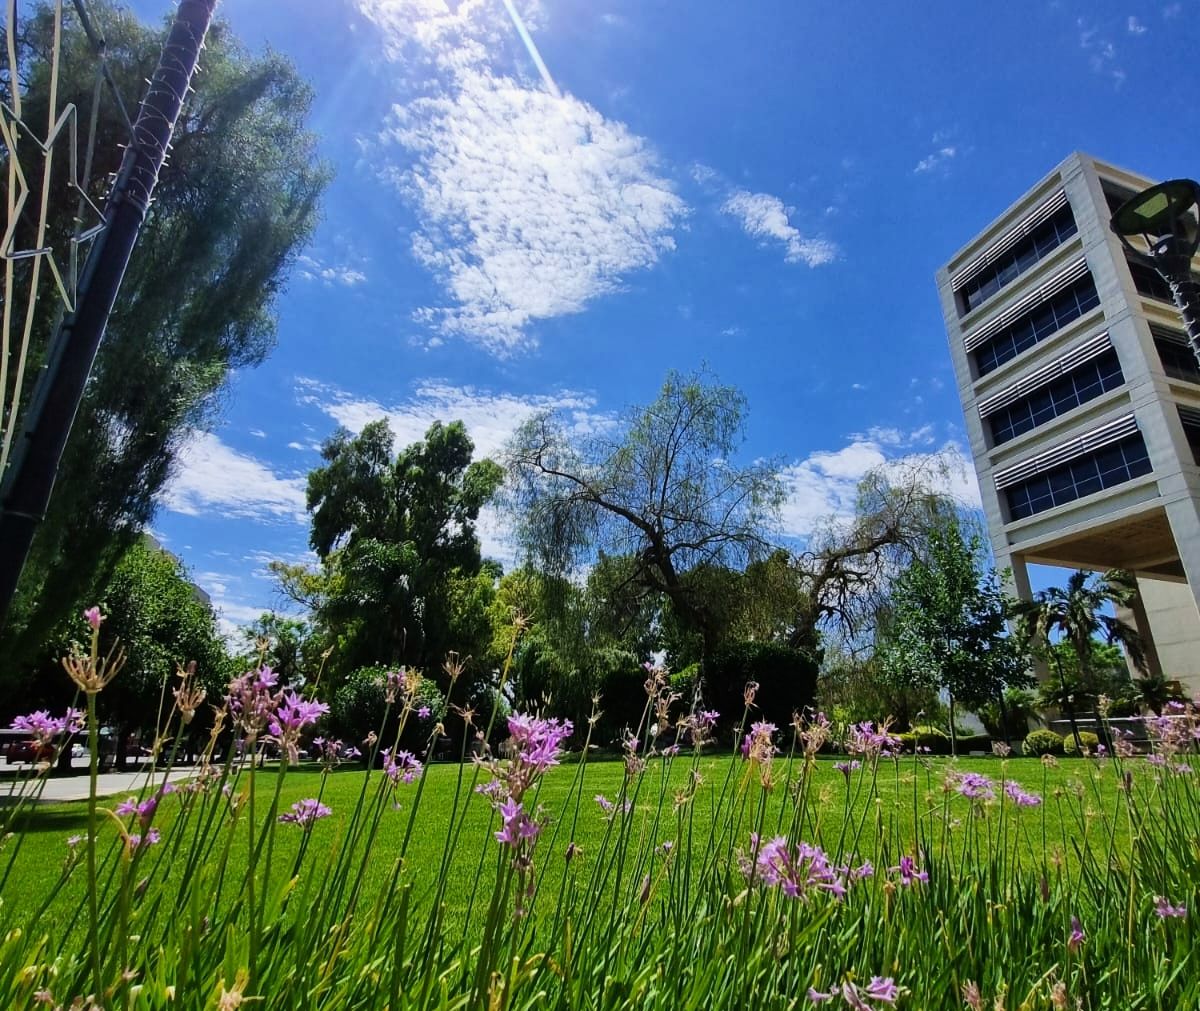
(27, 750)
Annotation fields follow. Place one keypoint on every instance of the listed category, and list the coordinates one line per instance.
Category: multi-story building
(1082, 401)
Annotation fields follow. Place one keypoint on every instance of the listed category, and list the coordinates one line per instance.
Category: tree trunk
(953, 735)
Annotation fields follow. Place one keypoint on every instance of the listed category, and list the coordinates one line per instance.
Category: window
(1112, 465)
(1088, 381)
(1176, 354)
(1191, 428)
(1043, 240)
(1036, 325)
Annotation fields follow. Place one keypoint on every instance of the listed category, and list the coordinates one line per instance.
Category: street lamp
(1166, 217)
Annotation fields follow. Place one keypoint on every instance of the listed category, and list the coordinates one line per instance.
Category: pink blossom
(305, 813)
(1165, 910)
(93, 617)
(909, 873)
(517, 825)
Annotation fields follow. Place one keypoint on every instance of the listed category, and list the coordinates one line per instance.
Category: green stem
(93, 907)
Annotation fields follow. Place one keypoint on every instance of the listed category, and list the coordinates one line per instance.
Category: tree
(661, 490)
(842, 580)
(1076, 613)
(948, 625)
(235, 202)
(396, 538)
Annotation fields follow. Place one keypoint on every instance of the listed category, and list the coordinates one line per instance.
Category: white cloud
(767, 217)
(1102, 54)
(938, 159)
(823, 486)
(1135, 27)
(211, 477)
(313, 269)
(531, 206)
(531, 203)
(490, 417)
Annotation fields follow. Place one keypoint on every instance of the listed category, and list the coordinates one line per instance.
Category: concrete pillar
(1184, 516)
(1141, 622)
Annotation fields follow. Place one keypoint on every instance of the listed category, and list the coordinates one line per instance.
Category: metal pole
(1176, 270)
(25, 492)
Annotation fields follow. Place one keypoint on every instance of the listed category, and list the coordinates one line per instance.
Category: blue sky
(767, 187)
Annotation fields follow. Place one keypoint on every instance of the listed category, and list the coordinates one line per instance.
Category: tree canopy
(661, 490)
(235, 202)
(402, 579)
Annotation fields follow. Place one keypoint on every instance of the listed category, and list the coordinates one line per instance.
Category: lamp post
(1166, 218)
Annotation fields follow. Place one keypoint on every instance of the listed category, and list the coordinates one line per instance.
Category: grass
(951, 823)
(773, 881)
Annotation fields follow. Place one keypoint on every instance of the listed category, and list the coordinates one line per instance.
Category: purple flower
(252, 701)
(537, 741)
(1077, 936)
(291, 716)
(797, 871)
(609, 808)
(46, 729)
(305, 812)
(880, 989)
(707, 718)
(136, 841)
(974, 786)
(1165, 910)
(871, 741)
(404, 768)
(845, 768)
(144, 810)
(424, 713)
(517, 825)
(1020, 797)
(909, 873)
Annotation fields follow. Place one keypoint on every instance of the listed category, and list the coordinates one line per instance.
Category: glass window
(1077, 387)
(1036, 325)
(1082, 476)
(1044, 239)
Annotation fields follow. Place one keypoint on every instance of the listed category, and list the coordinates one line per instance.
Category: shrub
(974, 742)
(787, 680)
(1087, 739)
(1043, 742)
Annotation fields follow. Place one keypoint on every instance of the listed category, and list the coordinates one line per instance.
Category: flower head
(1077, 936)
(1164, 910)
(305, 813)
(1019, 796)
(93, 617)
(909, 873)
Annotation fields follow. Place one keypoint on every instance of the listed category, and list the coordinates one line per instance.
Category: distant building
(1082, 401)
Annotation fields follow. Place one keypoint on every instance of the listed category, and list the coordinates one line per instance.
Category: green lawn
(845, 817)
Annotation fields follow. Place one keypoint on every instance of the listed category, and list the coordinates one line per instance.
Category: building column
(1184, 516)
(1141, 622)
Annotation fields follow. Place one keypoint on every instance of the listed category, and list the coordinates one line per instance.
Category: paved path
(68, 788)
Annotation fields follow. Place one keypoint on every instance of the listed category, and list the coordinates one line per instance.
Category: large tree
(236, 201)
(948, 625)
(661, 490)
(395, 533)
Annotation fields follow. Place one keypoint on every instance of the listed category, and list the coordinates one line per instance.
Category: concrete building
(1082, 401)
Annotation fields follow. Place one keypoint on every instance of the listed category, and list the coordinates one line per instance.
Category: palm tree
(1076, 613)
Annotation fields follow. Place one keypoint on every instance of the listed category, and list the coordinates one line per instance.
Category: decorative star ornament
(12, 129)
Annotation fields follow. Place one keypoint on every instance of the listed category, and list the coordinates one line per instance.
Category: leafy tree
(1076, 613)
(948, 625)
(661, 490)
(403, 577)
(235, 203)
(286, 644)
(842, 580)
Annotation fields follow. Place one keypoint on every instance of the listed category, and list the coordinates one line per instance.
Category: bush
(1043, 742)
(1087, 739)
(974, 742)
(787, 682)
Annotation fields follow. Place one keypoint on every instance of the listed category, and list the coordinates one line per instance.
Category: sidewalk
(74, 788)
